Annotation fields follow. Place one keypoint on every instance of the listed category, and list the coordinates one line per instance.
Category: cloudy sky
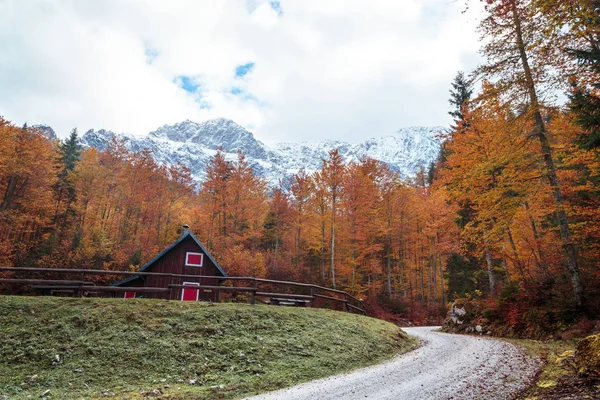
(287, 70)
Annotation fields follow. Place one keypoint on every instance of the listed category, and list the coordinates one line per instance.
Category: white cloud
(341, 69)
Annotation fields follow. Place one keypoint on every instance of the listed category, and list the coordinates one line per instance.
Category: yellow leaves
(546, 384)
(563, 356)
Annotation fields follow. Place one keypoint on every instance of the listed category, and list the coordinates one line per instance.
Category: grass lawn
(142, 348)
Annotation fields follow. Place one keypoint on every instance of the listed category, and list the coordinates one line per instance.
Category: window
(194, 259)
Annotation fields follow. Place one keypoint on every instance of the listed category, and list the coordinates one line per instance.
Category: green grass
(128, 348)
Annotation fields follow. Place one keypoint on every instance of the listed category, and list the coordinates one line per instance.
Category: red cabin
(186, 256)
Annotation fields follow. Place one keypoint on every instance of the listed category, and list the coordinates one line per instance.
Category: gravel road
(445, 367)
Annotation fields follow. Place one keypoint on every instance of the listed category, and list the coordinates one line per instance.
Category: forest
(508, 216)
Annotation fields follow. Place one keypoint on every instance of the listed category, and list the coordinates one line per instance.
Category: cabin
(186, 256)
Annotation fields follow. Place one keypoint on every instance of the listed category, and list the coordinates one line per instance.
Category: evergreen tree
(585, 102)
(460, 94)
(69, 153)
(461, 274)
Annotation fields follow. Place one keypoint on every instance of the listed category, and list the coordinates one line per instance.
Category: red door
(190, 293)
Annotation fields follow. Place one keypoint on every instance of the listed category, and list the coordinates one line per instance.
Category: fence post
(312, 294)
(253, 298)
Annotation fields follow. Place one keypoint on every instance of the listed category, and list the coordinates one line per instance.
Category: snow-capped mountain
(46, 131)
(193, 144)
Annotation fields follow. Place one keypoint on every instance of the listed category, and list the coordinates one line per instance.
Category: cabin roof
(165, 251)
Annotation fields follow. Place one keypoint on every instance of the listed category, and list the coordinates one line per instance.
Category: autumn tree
(333, 174)
(301, 189)
(26, 178)
(516, 53)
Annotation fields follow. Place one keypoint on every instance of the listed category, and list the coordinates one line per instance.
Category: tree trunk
(333, 241)
(490, 265)
(323, 253)
(513, 247)
(540, 126)
(542, 262)
(389, 265)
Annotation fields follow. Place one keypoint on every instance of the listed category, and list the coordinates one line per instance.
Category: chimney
(185, 229)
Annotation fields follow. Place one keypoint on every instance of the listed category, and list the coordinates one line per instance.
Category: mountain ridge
(193, 144)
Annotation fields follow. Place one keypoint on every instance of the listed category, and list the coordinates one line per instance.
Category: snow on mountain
(193, 144)
(46, 131)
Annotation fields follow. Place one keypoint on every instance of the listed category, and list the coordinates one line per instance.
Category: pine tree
(460, 94)
(585, 102)
(69, 153)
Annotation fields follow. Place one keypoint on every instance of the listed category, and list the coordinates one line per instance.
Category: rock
(193, 381)
(163, 380)
(105, 392)
(45, 393)
(33, 378)
(79, 370)
(479, 328)
(56, 360)
(587, 357)
(157, 392)
(456, 314)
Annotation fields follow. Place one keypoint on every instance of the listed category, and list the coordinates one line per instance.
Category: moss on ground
(587, 357)
(558, 377)
(142, 348)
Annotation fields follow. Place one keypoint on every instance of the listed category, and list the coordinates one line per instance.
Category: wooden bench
(289, 302)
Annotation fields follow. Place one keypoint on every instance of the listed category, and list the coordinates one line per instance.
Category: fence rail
(82, 286)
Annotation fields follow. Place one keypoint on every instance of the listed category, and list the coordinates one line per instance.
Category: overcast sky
(287, 70)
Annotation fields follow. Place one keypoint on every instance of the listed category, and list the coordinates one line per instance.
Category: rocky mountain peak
(193, 144)
(46, 131)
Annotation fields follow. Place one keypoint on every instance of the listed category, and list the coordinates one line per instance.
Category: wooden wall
(174, 263)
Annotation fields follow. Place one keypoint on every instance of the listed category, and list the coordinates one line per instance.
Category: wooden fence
(79, 286)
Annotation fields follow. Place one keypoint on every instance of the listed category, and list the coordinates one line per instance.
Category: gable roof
(165, 251)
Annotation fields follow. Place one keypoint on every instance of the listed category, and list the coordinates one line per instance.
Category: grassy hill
(141, 348)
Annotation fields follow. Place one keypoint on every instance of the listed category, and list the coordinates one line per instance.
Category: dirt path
(444, 367)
